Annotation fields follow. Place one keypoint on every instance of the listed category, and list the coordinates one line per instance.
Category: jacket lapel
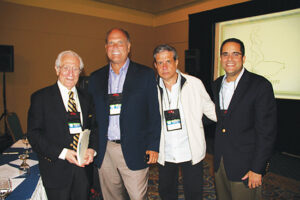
(58, 104)
(129, 82)
(105, 83)
(83, 106)
(239, 91)
(102, 86)
(217, 94)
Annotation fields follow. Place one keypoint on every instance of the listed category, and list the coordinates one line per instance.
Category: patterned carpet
(275, 187)
(208, 188)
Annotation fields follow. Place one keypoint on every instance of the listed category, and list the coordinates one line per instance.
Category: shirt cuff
(63, 153)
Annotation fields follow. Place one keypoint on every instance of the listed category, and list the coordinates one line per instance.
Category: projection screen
(272, 48)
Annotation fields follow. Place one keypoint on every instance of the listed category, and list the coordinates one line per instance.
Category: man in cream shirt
(183, 101)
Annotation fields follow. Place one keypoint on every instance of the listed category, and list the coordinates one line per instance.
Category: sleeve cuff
(63, 153)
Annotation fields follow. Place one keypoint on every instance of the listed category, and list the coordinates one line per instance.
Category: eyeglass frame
(65, 69)
(233, 54)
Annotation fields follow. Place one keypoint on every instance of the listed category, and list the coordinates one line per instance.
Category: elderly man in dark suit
(56, 116)
(246, 127)
(127, 111)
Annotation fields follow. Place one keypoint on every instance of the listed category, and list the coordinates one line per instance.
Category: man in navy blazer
(128, 117)
(246, 126)
(51, 137)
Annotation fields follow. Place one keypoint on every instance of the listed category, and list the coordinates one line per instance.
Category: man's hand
(254, 179)
(153, 155)
(88, 157)
(71, 157)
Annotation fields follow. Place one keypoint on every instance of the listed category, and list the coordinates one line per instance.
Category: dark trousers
(192, 180)
(78, 190)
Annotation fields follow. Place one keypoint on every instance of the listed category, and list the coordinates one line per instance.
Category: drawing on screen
(256, 62)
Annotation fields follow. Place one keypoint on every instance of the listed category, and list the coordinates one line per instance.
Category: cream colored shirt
(177, 148)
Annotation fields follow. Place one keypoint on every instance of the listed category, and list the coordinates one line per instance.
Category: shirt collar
(65, 90)
(124, 68)
(237, 79)
(177, 84)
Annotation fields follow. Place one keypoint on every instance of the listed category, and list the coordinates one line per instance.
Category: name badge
(115, 103)
(75, 128)
(173, 121)
(74, 123)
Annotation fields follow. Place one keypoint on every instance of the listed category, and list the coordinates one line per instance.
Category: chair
(14, 126)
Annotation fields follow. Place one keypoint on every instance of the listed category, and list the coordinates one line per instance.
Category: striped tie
(72, 108)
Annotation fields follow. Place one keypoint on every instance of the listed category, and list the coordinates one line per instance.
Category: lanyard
(169, 100)
(171, 116)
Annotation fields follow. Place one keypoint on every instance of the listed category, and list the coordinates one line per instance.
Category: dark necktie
(72, 108)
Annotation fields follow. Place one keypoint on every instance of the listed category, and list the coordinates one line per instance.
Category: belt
(115, 141)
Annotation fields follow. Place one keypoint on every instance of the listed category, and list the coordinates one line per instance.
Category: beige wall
(39, 34)
(175, 34)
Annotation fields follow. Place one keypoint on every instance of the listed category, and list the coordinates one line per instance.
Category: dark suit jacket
(139, 119)
(48, 133)
(250, 125)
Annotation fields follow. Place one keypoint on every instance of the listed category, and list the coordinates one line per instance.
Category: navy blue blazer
(250, 127)
(139, 119)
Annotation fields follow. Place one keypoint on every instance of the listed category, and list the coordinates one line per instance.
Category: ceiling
(152, 6)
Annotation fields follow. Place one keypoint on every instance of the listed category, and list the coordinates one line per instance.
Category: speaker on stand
(6, 65)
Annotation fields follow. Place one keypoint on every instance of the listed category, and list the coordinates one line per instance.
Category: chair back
(14, 126)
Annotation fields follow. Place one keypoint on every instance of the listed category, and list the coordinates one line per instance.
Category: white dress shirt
(227, 91)
(177, 147)
(65, 97)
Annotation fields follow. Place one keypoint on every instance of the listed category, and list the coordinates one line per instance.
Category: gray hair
(165, 47)
(58, 59)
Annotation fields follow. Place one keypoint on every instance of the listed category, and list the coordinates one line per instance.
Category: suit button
(223, 130)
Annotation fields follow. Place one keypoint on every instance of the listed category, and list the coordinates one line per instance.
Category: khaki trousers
(230, 190)
(116, 177)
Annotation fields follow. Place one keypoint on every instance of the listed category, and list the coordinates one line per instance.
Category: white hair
(58, 59)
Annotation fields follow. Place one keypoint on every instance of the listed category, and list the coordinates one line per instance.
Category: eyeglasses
(234, 54)
(65, 69)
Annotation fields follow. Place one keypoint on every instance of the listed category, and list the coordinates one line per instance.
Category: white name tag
(75, 128)
(115, 109)
(174, 124)
(173, 120)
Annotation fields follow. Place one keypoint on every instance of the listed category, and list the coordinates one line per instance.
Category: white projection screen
(272, 48)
